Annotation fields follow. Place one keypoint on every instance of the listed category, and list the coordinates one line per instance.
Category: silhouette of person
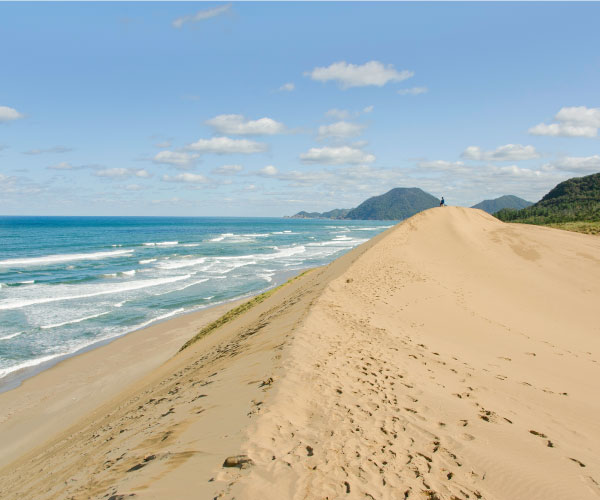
(442, 202)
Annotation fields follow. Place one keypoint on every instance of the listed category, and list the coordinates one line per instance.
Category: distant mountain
(508, 201)
(336, 213)
(576, 199)
(397, 204)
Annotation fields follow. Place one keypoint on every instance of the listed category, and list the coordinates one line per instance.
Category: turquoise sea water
(67, 283)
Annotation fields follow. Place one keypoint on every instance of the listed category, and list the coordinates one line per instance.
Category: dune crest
(452, 360)
(451, 357)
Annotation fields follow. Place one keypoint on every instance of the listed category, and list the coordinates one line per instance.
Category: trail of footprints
(391, 441)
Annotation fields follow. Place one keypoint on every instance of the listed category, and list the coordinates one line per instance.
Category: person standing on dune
(442, 202)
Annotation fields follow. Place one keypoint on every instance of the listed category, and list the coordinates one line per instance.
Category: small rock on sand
(240, 461)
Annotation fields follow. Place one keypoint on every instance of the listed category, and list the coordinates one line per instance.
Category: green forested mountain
(397, 204)
(576, 199)
(336, 213)
(507, 201)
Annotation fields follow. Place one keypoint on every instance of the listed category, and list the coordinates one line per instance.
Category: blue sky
(265, 109)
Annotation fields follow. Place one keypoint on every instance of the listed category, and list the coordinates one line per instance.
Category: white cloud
(336, 156)
(134, 187)
(268, 171)
(442, 165)
(200, 16)
(368, 109)
(287, 87)
(338, 114)
(55, 149)
(186, 177)
(226, 145)
(228, 169)
(563, 130)
(352, 75)
(9, 114)
(509, 152)
(175, 158)
(413, 91)
(63, 165)
(340, 130)
(575, 121)
(579, 115)
(238, 125)
(121, 173)
(579, 164)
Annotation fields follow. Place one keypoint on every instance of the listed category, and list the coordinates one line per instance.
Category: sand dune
(451, 357)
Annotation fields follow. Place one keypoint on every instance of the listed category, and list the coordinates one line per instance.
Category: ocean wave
(191, 245)
(70, 322)
(161, 243)
(147, 261)
(349, 242)
(18, 283)
(109, 290)
(128, 273)
(11, 336)
(30, 363)
(158, 318)
(183, 287)
(178, 264)
(67, 257)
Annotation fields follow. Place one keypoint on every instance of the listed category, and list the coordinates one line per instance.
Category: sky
(266, 109)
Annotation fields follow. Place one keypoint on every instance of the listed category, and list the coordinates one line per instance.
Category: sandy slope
(453, 356)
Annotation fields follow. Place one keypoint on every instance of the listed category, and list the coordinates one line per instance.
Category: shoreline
(15, 379)
(453, 356)
(81, 382)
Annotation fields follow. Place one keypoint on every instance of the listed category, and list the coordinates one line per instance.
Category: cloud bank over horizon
(239, 110)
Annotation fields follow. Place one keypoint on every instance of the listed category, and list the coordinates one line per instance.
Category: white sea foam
(178, 264)
(161, 243)
(108, 290)
(128, 273)
(191, 245)
(67, 257)
(158, 318)
(222, 237)
(79, 320)
(147, 261)
(11, 336)
(183, 287)
(208, 298)
(238, 238)
(28, 364)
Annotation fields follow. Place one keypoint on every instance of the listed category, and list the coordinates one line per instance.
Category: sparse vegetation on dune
(237, 311)
(592, 227)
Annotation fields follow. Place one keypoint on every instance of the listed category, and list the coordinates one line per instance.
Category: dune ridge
(452, 357)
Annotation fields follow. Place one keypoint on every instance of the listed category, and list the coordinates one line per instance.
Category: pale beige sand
(57, 398)
(452, 357)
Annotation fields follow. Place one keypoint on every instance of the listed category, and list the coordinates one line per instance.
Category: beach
(452, 356)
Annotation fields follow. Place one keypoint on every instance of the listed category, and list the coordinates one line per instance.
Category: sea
(68, 284)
